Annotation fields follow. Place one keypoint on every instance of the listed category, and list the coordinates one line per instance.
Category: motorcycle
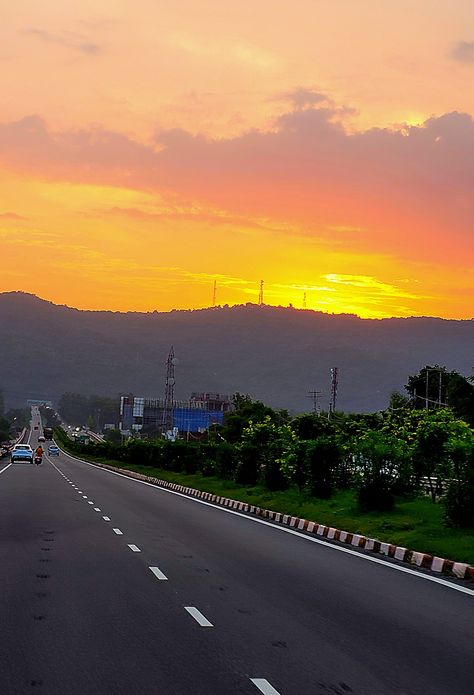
(38, 460)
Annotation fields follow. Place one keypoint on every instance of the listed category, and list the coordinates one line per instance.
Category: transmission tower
(304, 300)
(214, 293)
(260, 295)
(167, 420)
(315, 397)
(334, 385)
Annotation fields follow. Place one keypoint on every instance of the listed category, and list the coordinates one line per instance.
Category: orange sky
(149, 149)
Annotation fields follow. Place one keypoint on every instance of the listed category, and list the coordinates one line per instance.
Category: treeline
(383, 457)
(12, 420)
(88, 411)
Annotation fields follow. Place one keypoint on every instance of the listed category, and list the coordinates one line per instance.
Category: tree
(246, 411)
(311, 426)
(434, 387)
(459, 498)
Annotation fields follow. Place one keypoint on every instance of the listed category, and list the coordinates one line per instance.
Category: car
(21, 452)
(41, 439)
(54, 450)
(36, 427)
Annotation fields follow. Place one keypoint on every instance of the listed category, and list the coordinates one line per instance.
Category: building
(196, 415)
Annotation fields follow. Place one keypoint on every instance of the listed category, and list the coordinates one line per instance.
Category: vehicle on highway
(54, 450)
(21, 452)
(48, 432)
(41, 439)
(38, 460)
(36, 427)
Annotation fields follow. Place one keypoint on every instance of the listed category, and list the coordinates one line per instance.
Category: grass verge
(415, 523)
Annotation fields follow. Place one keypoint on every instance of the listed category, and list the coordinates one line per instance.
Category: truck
(48, 432)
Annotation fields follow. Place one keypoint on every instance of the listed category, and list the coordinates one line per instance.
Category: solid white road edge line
(134, 548)
(117, 531)
(198, 616)
(292, 532)
(264, 686)
(158, 573)
(5, 468)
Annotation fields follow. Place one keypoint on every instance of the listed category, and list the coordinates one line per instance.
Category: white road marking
(264, 686)
(291, 531)
(118, 531)
(198, 616)
(134, 548)
(5, 468)
(85, 496)
(80, 492)
(97, 509)
(89, 502)
(158, 573)
(106, 518)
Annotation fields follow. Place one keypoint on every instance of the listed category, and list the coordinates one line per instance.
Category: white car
(21, 452)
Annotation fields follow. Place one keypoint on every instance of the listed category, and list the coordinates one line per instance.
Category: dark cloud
(69, 40)
(463, 51)
(302, 97)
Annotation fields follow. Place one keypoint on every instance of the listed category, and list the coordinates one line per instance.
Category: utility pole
(167, 420)
(214, 293)
(315, 396)
(334, 387)
(260, 294)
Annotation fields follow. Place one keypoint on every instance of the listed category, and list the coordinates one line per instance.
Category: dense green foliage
(383, 457)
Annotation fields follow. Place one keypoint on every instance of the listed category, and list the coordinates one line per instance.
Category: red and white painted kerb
(423, 560)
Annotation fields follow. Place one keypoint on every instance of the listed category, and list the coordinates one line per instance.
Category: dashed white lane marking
(89, 502)
(134, 548)
(97, 509)
(118, 531)
(85, 496)
(80, 492)
(158, 573)
(264, 686)
(198, 616)
(106, 518)
(5, 468)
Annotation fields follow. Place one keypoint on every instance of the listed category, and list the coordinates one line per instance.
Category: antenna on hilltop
(214, 293)
(304, 300)
(167, 420)
(260, 294)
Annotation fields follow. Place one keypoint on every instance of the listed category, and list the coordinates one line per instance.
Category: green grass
(416, 523)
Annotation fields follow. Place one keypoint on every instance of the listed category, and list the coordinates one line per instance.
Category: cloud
(463, 51)
(67, 39)
(12, 216)
(302, 97)
(408, 190)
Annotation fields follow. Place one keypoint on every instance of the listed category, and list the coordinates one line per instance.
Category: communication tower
(304, 300)
(214, 293)
(169, 392)
(260, 295)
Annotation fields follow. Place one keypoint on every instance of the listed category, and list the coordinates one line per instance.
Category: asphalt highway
(112, 586)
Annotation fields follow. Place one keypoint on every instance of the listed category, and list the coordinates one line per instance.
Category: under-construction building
(193, 416)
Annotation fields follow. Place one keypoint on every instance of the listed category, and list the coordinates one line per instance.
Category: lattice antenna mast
(334, 387)
(260, 294)
(304, 300)
(214, 293)
(169, 391)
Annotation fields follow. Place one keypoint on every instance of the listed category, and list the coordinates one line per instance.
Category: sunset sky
(149, 148)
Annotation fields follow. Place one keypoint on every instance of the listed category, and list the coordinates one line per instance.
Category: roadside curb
(440, 565)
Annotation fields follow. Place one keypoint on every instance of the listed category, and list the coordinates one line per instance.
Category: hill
(274, 354)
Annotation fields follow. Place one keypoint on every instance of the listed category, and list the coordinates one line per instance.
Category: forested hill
(274, 354)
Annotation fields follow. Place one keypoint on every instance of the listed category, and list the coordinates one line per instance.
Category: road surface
(112, 586)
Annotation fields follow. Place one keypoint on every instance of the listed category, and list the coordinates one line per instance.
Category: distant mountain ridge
(275, 354)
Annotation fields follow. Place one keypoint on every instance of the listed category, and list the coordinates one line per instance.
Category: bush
(323, 456)
(459, 498)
